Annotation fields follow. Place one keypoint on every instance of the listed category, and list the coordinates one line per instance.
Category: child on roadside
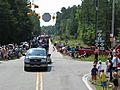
(115, 80)
(99, 67)
(103, 80)
(106, 66)
(94, 72)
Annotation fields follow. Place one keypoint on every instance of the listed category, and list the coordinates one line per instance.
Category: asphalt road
(63, 74)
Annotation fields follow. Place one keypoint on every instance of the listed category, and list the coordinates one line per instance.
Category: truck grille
(35, 60)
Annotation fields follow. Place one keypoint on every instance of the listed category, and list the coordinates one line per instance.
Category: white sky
(52, 6)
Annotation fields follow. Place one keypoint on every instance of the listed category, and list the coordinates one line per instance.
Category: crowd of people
(108, 75)
(12, 51)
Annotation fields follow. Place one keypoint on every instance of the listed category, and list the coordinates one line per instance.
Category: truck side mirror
(24, 54)
(49, 55)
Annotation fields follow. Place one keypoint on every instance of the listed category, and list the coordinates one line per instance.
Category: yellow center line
(37, 80)
(41, 82)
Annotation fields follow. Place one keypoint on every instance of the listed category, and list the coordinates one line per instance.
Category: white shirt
(114, 61)
(99, 67)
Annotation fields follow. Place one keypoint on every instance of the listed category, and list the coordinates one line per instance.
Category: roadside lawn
(98, 86)
(102, 58)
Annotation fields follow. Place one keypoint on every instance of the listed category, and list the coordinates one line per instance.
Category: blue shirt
(94, 71)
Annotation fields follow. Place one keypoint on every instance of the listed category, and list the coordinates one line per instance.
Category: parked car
(35, 57)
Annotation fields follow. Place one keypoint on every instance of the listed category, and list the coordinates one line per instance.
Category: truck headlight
(27, 60)
(43, 60)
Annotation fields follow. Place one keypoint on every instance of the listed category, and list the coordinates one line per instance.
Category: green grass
(98, 85)
(103, 58)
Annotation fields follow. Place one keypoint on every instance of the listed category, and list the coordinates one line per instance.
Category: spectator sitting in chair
(83, 55)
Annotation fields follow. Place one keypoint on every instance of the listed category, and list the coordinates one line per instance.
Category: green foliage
(81, 20)
(15, 25)
(98, 84)
(66, 21)
(49, 30)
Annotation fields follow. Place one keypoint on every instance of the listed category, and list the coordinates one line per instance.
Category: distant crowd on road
(12, 51)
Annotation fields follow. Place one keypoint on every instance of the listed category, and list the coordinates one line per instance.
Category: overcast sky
(52, 6)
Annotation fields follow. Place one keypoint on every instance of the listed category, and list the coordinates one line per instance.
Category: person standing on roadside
(110, 65)
(99, 67)
(106, 65)
(103, 80)
(0, 53)
(111, 54)
(5, 52)
(115, 80)
(115, 62)
(96, 52)
(94, 72)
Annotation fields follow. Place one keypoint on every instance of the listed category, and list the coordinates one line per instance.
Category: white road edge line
(84, 78)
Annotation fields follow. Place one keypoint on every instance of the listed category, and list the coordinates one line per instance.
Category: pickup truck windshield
(36, 53)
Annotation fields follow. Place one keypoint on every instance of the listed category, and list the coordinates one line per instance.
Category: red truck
(117, 50)
(91, 50)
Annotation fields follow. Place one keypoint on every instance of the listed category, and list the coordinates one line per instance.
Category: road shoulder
(86, 80)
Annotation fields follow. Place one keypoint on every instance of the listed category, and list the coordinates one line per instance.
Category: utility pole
(113, 17)
(113, 23)
(96, 25)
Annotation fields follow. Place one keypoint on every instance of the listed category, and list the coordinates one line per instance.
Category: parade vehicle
(36, 57)
(44, 41)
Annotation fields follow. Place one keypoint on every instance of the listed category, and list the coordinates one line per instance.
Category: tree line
(15, 25)
(80, 21)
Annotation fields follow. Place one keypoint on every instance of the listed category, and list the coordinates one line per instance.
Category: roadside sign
(117, 49)
(102, 44)
(96, 41)
(99, 31)
(99, 42)
(99, 34)
(96, 44)
(99, 38)
(102, 48)
(46, 17)
(102, 41)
